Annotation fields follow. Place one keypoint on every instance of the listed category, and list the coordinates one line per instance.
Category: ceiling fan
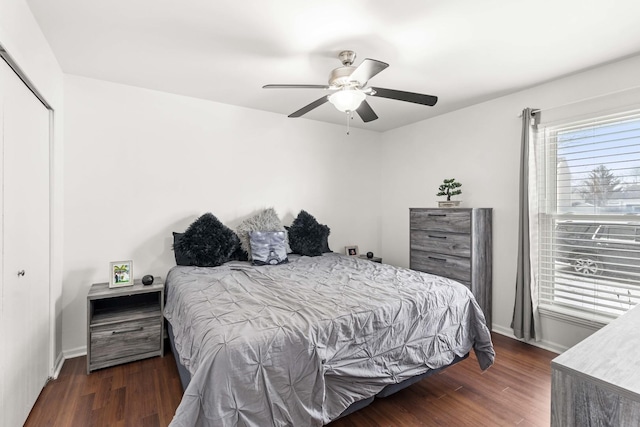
(350, 86)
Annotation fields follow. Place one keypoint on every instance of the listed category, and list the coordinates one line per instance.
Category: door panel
(25, 234)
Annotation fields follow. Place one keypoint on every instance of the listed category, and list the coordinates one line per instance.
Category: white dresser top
(611, 356)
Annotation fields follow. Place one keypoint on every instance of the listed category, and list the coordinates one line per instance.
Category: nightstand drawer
(441, 220)
(125, 339)
(440, 242)
(453, 267)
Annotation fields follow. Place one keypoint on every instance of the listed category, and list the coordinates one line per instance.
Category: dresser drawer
(453, 267)
(454, 243)
(441, 220)
(125, 339)
(441, 242)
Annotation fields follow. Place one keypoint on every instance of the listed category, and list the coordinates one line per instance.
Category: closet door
(25, 324)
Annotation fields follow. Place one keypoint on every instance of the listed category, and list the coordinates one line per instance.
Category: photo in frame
(120, 274)
(351, 250)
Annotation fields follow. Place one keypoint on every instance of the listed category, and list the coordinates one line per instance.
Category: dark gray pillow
(207, 242)
(268, 248)
(325, 238)
(181, 258)
(239, 255)
(307, 236)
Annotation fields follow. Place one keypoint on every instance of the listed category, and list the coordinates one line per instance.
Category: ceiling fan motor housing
(340, 77)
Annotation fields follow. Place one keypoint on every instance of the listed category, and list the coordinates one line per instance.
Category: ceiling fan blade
(296, 87)
(367, 69)
(304, 110)
(416, 98)
(365, 112)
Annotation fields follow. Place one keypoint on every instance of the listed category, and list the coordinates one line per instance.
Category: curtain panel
(525, 322)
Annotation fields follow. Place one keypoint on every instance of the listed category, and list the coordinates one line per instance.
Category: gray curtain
(522, 322)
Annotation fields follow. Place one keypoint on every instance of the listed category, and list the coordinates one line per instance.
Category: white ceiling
(463, 51)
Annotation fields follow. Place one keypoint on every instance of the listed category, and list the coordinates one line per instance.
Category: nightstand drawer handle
(437, 237)
(438, 259)
(432, 214)
(124, 331)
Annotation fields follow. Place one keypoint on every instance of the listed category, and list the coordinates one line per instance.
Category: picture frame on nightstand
(351, 250)
(120, 274)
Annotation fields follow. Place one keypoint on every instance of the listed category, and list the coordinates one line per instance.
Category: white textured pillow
(266, 220)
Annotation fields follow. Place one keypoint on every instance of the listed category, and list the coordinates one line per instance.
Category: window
(588, 180)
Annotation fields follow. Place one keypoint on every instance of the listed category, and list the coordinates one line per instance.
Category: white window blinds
(588, 179)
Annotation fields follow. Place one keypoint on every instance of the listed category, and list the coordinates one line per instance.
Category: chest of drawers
(454, 243)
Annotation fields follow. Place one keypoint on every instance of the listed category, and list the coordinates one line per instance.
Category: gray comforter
(296, 344)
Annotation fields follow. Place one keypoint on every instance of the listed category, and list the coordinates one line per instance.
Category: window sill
(574, 317)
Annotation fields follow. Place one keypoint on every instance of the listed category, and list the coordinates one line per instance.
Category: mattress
(296, 344)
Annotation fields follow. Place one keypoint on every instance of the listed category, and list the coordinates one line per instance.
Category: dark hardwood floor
(514, 391)
(144, 393)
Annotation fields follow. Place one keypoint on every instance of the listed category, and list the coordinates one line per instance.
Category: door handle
(21, 273)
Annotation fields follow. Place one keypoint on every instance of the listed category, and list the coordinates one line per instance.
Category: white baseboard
(69, 354)
(75, 352)
(545, 345)
(57, 366)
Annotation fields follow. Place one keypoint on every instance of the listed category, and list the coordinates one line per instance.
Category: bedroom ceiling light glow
(347, 100)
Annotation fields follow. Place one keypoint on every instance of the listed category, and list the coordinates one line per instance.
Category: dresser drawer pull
(125, 331)
(437, 237)
(438, 259)
(432, 214)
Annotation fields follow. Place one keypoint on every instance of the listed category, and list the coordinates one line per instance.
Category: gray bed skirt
(185, 377)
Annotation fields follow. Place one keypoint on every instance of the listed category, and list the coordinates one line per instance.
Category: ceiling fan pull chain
(348, 117)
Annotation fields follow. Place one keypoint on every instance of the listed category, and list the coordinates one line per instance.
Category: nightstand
(124, 324)
(374, 259)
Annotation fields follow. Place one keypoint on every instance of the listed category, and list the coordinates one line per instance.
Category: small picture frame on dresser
(351, 250)
(120, 274)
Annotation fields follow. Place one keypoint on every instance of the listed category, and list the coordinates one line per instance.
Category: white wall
(480, 147)
(140, 164)
(21, 37)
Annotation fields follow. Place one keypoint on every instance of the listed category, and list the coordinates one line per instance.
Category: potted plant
(450, 187)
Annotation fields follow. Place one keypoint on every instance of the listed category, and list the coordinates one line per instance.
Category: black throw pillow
(325, 238)
(207, 242)
(306, 235)
(181, 258)
(239, 254)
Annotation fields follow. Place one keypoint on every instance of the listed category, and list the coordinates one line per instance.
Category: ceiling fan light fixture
(350, 86)
(347, 99)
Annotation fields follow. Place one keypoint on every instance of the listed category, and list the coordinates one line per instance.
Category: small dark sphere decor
(147, 280)
(369, 255)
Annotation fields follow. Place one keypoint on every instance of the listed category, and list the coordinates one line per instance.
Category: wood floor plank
(515, 391)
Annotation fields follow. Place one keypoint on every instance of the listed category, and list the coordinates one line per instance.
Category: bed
(305, 342)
